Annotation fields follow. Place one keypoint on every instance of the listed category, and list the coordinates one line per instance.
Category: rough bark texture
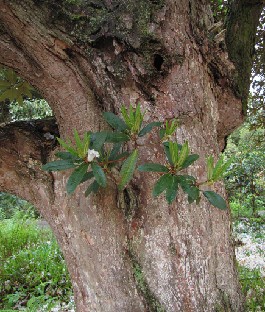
(242, 23)
(126, 251)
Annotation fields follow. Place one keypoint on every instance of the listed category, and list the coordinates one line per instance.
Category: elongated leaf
(172, 190)
(58, 165)
(209, 162)
(116, 137)
(217, 171)
(99, 174)
(99, 139)
(8, 94)
(174, 152)
(183, 154)
(127, 169)
(226, 165)
(87, 176)
(67, 146)
(167, 152)
(114, 121)
(215, 199)
(220, 171)
(148, 128)
(162, 184)
(76, 178)
(153, 167)
(129, 119)
(187, 184)
(93, 187)
(189, 160)
(115, 151)
(138, 119)
(66, 156)
(79, 144)
(162, 133)
(11, 76)
(193, 193)
(4, 84)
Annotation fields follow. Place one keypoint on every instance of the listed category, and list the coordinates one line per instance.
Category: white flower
(91, 154)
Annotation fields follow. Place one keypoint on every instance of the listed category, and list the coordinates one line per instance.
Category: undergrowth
(253, 287)
(32, 269)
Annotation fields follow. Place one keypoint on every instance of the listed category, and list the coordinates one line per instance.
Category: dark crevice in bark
(158, 61)
(128, 202)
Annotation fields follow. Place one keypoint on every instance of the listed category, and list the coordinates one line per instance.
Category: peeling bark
(126, 251)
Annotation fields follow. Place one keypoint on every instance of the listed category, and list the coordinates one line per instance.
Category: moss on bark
(87, 21)
(241, 27)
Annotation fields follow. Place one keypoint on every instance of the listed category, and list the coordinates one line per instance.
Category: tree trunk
(126, 251)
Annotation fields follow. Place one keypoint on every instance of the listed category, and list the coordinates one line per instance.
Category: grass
(253, 287)
(251, 280)
(32, 268)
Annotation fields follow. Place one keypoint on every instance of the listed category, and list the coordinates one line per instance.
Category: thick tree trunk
(126, 251)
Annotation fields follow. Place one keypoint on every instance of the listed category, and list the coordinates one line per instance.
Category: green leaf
(126, 117)
(153, 167)
(116, 137)
(58, 165)
(79, 144)
(209, 161)
(98, 139)
(189, 160)
(167, 152)
(193, 193)
(66, 156)
(127, 169)
(114, 121)
(172, 190)
(87, 176)
(99, 174)
(174, 152)
(162, 184)
(187, 184)
(8, 94)
(217, 171)
(4, 84)
(215, 199)
(148, 128)
(93, 187)
(220, 169)
(11, 76)
(76, 178)
(226, 165)
(162, 133)
(138, 119)
(184, 153)
(115, 151)
(86, 143)
(67, 146)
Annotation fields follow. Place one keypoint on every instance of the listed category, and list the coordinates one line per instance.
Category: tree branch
(24, 147)
(241, 28)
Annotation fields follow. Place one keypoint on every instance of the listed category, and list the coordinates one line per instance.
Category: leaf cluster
(13, 88)
(94, 157)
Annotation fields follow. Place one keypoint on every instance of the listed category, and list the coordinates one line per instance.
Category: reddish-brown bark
(127, 251)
